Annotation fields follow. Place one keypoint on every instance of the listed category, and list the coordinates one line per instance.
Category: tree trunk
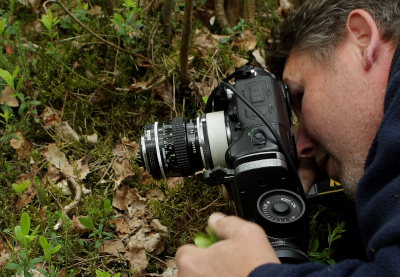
(185, 45)
(249, 10)
(220, 16)
(166, 14)
(233, 11)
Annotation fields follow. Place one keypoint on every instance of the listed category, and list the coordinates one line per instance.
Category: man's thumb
(225, 226)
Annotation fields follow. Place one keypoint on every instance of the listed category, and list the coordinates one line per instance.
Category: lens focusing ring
(180, 145)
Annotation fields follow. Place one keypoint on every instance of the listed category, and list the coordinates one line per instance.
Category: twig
(66, 209)
(92, 32)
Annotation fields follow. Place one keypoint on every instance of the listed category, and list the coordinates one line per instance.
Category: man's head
(338, 55)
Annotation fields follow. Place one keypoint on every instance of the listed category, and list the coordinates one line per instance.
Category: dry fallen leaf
(58, 159)
(65, 131)
(92, 139)
(113, 247)
(5, 254)
(172, 268)
(77, 226)
(155, 194)
(50, 117)
(128, 200)
(174, 182)
(238, 61)
(149, 241)
(33, 4)
(259, 56)
(164, 91)
(138, 261)
(21, 145)
(246, 41)
(7, 98)
(123, 170)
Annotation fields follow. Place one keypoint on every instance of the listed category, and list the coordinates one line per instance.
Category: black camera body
(243, 141)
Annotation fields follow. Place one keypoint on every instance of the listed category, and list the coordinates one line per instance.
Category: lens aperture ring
(180, 145)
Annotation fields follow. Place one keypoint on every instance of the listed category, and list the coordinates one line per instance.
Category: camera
(244, 141)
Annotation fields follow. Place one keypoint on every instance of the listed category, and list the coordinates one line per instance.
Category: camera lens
(180, 148)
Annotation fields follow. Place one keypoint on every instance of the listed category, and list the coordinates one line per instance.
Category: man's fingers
(227, 227)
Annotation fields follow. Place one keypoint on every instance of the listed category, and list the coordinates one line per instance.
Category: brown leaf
(259, 56)
(113, 247)
(155, 194)
(238, 61)
(77, 227)
(246, 41)
(7, 98)
(58, 159)
(5, 254)
(164, 91)
(173, 182)
(53, 175)
(96, 10)
(126, 225)
(172, 268)
(205, 41)
(151, 242)
(50, 117)
(82, 166)
(65, 131)
(21, 145)
(30, 193)
(128, 200)
(157, 226)
(33, 4)
(123, 170)
(138, 261)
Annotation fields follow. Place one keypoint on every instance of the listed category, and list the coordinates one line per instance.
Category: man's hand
(243, 247)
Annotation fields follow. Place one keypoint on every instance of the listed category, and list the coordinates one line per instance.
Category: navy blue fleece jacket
(377, 203)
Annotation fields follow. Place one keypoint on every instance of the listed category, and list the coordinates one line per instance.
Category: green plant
(25, 237)
(26, 102)
(98, 231)
(126, 21)
(50, 21)
(325, 256)
(3, 25)
(48, 248)
(100, 273)
(21, 187)
(11, 78)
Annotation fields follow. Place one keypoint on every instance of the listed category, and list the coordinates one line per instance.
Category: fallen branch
(78, 194)
(93, 33)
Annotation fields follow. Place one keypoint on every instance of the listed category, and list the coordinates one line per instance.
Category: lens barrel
(171, 148)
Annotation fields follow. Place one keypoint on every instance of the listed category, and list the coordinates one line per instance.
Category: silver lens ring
(158, 149)
(144, 153)
(199, 127)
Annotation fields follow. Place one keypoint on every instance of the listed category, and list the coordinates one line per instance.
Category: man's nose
(305, 145)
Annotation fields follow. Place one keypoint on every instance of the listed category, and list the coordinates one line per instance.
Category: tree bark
(233, 11)
(166, 14)
(220, 16)
(249, 10)
(185, 45)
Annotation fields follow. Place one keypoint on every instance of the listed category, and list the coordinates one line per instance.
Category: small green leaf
(56, 249)
(107, 206)
(7, 77)
(44, 243)
(21, 187)
(205, 240)
(205, 99)
(12, 266)
(87, 222)
(25, 224)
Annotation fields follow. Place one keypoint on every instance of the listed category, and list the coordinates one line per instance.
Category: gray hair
(318, 26)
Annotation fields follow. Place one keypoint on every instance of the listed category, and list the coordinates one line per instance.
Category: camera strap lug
(219, 175)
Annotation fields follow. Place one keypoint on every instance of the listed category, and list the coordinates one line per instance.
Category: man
(343, 72)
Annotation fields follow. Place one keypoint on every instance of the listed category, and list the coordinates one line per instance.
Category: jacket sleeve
(386, 263)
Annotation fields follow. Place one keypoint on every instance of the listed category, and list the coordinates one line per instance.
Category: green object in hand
(205, 240)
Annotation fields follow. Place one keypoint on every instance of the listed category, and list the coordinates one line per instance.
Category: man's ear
(363, 31)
